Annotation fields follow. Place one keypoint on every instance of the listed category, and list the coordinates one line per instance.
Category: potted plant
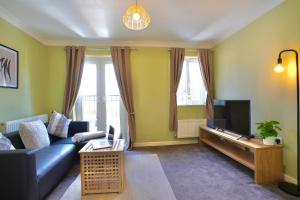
(268, 130)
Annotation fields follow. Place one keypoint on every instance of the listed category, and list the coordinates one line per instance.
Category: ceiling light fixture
(136, 17)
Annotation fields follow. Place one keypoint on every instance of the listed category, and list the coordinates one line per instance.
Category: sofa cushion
(5, 143)
(58, 125)
(53, 138)
(15, 139)
(83, 136)
(69, 141)
(34, 134)
(47, 158)
(64, 141)
(51, 164)
(78, 126)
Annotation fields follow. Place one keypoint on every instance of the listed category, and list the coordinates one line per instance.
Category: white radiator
(189, 127)
(11, 126)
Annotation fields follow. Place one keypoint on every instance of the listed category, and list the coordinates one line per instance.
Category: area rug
(144, 180)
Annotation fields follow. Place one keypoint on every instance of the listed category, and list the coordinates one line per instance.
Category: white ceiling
(187, 23)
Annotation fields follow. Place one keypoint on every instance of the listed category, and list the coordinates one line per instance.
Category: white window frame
(187, 60)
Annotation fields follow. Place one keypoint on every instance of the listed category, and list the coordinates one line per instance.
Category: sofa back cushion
(34, 134)
(77, 127)
(15, 139)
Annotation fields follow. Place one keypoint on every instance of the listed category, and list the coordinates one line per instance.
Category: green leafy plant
(268, 128)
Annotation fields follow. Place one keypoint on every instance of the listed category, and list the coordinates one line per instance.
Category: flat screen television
(232, 115)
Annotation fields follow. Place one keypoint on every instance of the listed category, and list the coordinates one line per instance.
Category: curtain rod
(195, 49)
(104, 49)
(108, 49)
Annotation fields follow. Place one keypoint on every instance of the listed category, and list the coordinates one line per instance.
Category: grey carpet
(197, 172)
(144, 180)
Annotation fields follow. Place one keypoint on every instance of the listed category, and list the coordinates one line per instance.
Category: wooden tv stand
(265, 160)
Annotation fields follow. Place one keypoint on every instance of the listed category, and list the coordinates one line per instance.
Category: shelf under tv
(265, 160)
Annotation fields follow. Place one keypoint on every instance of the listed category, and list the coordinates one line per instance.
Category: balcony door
(99, 99)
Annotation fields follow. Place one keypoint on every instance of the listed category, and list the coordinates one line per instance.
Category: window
(191, 90)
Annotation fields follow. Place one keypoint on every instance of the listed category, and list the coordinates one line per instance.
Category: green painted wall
(57, 73)
(151, 83)
(150, 74)
(243, 69)
(31, 96)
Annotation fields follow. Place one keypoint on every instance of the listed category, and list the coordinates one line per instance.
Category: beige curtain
(75, 62)
(205, 62)
(122, 65)
(176, 64)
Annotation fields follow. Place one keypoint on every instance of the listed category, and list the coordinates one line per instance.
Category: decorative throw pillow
(34, 134)
(5, 143)
(59, 125)
(83, 136)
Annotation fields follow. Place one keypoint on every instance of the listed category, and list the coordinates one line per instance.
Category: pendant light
(136, 17)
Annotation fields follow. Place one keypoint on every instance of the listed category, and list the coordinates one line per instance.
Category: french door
(99, 99)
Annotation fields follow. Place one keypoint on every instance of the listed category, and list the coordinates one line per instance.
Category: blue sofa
(27, 174)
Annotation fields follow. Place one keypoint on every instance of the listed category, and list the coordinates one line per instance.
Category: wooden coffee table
(102, 170)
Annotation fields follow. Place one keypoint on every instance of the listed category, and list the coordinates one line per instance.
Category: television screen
(232, 115)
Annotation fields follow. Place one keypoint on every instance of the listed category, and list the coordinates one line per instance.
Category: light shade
(279, 68)
(136, 18)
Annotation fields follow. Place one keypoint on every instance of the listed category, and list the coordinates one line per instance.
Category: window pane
(112, 97)
(87, 98)
(111, 85)
(89, 80)
(197, 89)
(182, 88)
(191, 90)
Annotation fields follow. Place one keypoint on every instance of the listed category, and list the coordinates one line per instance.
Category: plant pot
(269, 140)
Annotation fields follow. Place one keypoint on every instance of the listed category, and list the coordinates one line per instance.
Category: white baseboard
(165, 143)
(290, 179)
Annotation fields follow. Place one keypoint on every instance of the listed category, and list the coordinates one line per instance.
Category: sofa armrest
(77, 127)
(18, 175)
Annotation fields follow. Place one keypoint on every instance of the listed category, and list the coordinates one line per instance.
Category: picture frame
(9, 67)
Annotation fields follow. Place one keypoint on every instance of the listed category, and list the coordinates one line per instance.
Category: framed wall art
(9, 67)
